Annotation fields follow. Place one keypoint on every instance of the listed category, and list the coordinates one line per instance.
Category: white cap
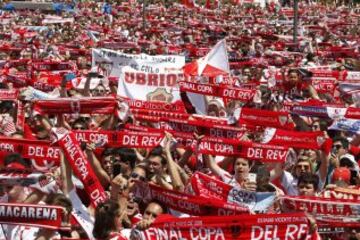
(351, 159)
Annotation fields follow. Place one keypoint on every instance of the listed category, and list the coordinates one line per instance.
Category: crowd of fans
(43, 53)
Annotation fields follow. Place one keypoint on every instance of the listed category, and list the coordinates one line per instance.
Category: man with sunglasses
(138, 173)
(339, 148)
(304, 165)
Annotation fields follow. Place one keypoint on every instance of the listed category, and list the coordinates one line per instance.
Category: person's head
(347, 160)
(37, 125)
(59, 199)
(216, 108)
(99, 91)
(310, 57)
(242, 168)
(79, 124)
(340, 146)
(262, 174)
(108, 218)
(6, 106)
(278, 61)
(303, 166)
(16, 161)
(293, 76)
(126, 158)
(156, 161)
(246, 72)
(316, 126)
(138, 173)
(341, 176)
(153, 210)
(107, 160)
(308, 184)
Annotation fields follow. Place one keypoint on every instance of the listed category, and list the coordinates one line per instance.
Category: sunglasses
(137, 176)
(337, 146)
(79, 128)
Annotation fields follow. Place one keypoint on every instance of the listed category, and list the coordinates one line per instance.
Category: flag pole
(143, 15)
(296, 16)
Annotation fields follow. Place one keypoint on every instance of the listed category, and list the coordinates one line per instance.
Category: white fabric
(81, 214)
(217, 57)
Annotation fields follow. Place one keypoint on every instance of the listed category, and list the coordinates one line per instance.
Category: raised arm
(172, 166)
(104, 178)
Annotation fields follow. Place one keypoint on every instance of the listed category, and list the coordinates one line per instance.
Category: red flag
(189, 3)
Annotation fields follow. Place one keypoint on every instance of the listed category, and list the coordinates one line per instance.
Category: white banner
(115, 60)
(57, 20)
(149, 86)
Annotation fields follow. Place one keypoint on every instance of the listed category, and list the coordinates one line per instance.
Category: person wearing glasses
(138, 173)
(304, 165)
(339, 148)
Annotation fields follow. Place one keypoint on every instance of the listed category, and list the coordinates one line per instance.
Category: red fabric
(341, 174)
(244, 95)
(193, 205)
(242, 227)
(43, 216)
(325, 210)
(354, 150)
(100, 105)
(40, 151)
(265, 118)
(81, 166)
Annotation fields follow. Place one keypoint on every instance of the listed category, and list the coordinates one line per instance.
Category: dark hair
(59, 199)
(6, 105)
(16, 157)
(265, 188)
(108, 151)
(157, 152)
(127, 155)
(309, 178)
(293, 70)
(344, 141)
(310, 56)
(105, 214)
(81, 121)
(250, 162)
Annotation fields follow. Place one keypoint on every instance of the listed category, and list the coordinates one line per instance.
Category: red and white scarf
(80, 165)
(98, 105)
(193, 205)
(43, 216)
(38, 181)
(39, 151)
(264, 118)
(244, 227)
(326, 210)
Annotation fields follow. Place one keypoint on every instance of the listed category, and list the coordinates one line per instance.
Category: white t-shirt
(228, 178)
(289, 183)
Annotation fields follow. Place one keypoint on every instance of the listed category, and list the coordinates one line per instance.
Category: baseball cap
(341, 174)
(349, 161)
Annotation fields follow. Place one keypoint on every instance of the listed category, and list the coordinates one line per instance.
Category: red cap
(341, 174)
(15, 166)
